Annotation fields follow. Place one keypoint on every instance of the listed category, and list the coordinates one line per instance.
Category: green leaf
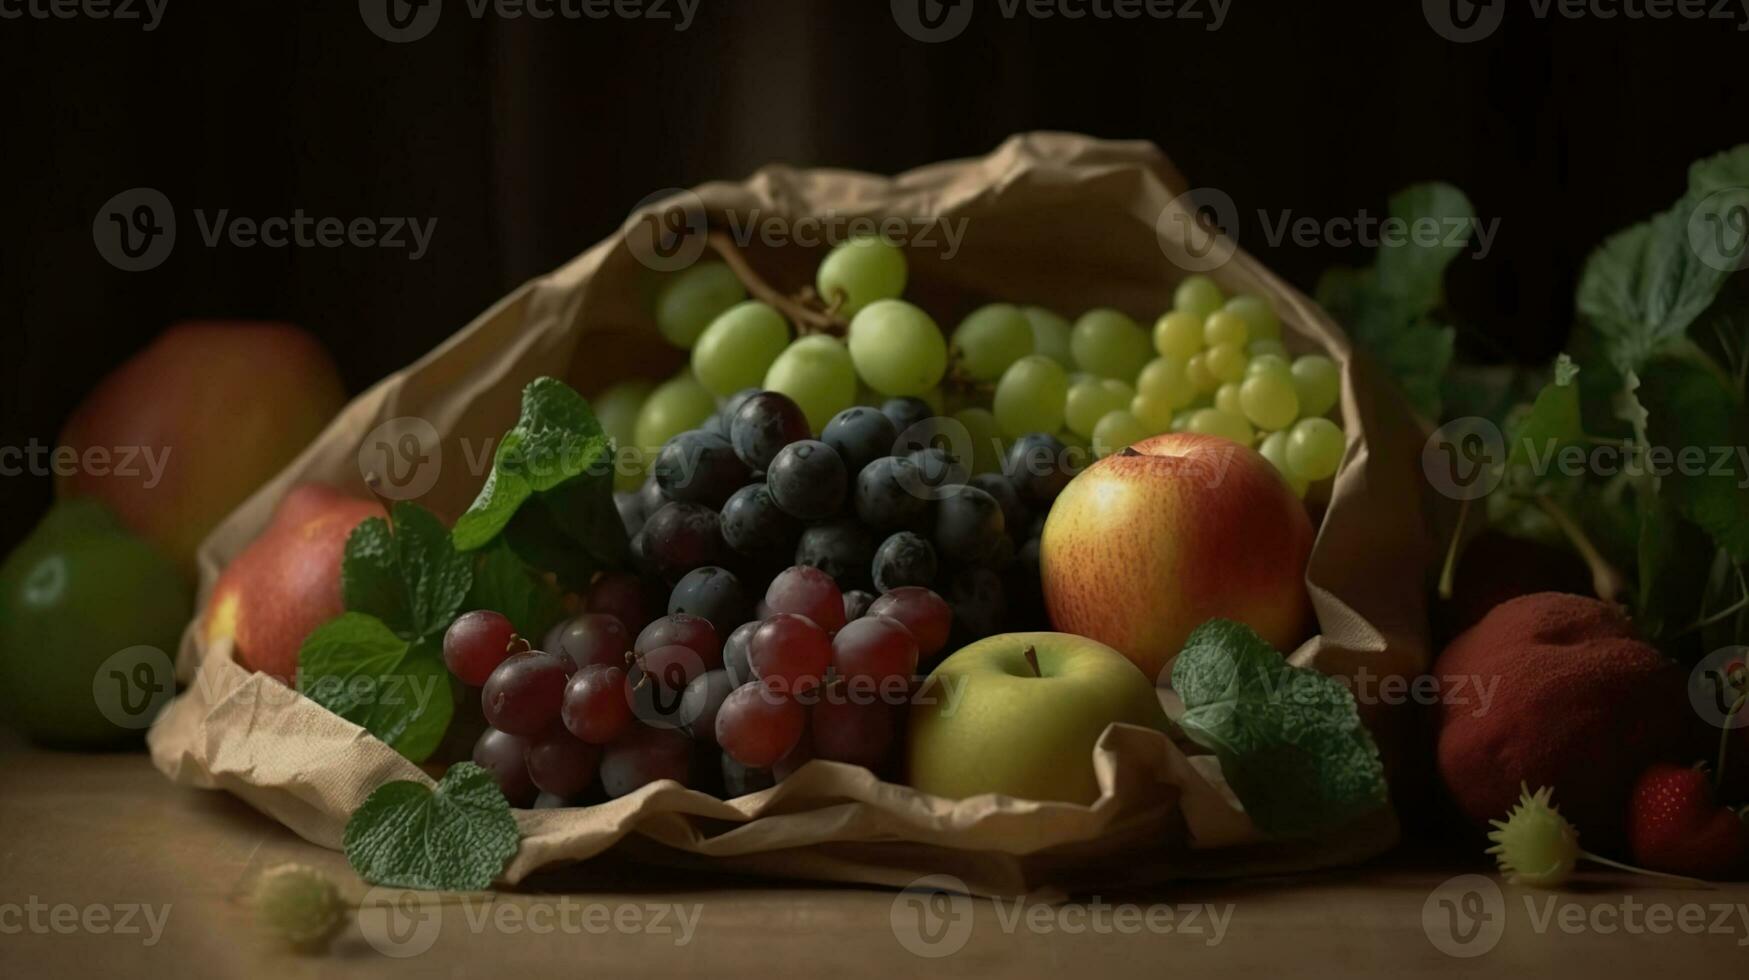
(410, 577)
(1289, 740)
(505, 584)
(1644, 286)
(1413, 269)
(1553, 420)
(356, 667)
(1724, 171)
(1671, 565)
(556, 439)
(1698, 426)
(457, 837)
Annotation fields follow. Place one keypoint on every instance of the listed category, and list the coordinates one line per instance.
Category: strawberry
(1676, 826)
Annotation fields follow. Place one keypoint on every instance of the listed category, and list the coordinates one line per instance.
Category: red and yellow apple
(287, 581)
(192, 425)
(1149, 543)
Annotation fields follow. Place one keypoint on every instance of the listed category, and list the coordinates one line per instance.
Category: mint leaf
(410, 577)
(1553, 420)
(1692, 409)
(457, 837)
(358, 668)
(1441, 221)
(505, 584)
(556, 439)
(1289, 740)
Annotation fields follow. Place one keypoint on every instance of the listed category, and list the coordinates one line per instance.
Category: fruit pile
(706, 695)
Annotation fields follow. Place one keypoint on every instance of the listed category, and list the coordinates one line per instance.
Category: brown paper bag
(1063, 221)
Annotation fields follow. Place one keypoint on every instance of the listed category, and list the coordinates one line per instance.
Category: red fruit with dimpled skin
(1139, 550)
(1677, 827)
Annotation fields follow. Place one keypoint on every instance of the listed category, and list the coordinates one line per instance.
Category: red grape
(795, 758)
(790, 653)
(807, 591)
(561, 765)
(594, 638)
(860, 734)
(477, 642)
(925, 614)
(623, 596)
(701, 702)
(645, 755)
(596, 708)
(873, 651)
(681, 629)
(757, 727)
(524, 694)
(502, 755)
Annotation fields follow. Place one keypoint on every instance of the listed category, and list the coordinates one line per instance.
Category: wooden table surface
(107, 869)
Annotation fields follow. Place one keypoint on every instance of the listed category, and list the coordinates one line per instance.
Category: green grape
(616, 408)
(1319, 383)
(1269, 401)
(1181, 421)
(1214, 422)
(1274, 449)
(1227, 398)
(1198, 294)
(1314, 448)
(690, 300)
(1227, 362)
(1155, 413)
(736, 350)
(1074, 440)
(897, 348)
(1258, 348)
(678, 404)
(862, 270)
(1117, 430)
(1223, 327)
(987, 447)
(816, 373)
(1269, 364)
(1178, 334)
(1050, 335)
(1167, 379)
(1029, 398)
(991, 339)
(1109, 344)
(1202, 380)
(1090, 401)
(1258, 316)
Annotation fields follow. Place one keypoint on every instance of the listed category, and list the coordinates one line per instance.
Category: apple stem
(374, 483)
(1032, 661)
(1129, 451)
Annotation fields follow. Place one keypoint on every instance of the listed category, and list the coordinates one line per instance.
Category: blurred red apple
(1149, 543)
(287, 582)
(192, 425)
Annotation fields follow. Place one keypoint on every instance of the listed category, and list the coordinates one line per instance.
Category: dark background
(530, 140)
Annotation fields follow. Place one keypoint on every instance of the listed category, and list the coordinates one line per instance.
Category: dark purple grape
(502, 755)
(1015, 515)
(737, 650)
(645, 755)
(732, 406)
(906, 412)
(980, 604)
(938, 468)
(547, 801)
(631, 512)
(888, 496)
(856, 603)
(969, 527)
(683, 629)
(842, 549)
(859, 436)
(756, 527)
(808, 480)
(682, 537)
(651, 498)
(523, 695)
(904, 559)
(712, 593)
(699, 467)
(699, 704)
(740, 780)
(561, 765)
(1039, 467)
(764, 424)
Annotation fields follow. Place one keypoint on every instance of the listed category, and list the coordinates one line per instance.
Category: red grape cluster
(598, 712)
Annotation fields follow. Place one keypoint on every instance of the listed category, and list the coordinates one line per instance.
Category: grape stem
(1605, 580)
(807, 319)
(1448, 572)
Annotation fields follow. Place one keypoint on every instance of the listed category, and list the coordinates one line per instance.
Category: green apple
(90, 618)
(1019, 714)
